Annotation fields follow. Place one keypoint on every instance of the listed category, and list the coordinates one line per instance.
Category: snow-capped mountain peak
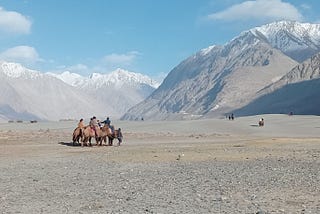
(297, 40)
(116, 78)
(219, 79)
(95, 76)
(26, 93)
(72, 79)
(296, 28)
(15, 70)
(207, 50)
(131, 78)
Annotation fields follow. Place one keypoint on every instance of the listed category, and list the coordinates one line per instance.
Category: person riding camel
(107, 121)
(94, 124)
(81, 124)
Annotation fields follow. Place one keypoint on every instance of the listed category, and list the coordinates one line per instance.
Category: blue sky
(145, 36)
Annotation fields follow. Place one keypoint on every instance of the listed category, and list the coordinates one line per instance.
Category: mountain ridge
(220, 79)
(27, 93)
(296, 91)
(298, 40)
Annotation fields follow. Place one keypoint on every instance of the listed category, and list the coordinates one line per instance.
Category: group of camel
(84, 135)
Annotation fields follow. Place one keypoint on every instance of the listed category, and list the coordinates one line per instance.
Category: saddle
(92, 131)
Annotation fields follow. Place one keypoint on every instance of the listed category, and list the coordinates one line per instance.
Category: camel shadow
(69, 144)
(254, 125)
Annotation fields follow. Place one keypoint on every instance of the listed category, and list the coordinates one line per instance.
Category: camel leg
(110, 141)
(77, 140)
(82, 142)
(98, 141)
(73, 140)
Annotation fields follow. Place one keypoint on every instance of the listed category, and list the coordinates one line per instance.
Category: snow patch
(117, 78)
(15, 70)
(207, 50)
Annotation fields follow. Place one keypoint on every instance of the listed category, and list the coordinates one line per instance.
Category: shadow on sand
(69, 144)
(254, 125)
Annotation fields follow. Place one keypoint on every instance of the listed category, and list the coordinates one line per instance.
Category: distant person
(107, 121)
(142, 119)
(232, 116)
(119, 136)
(261, 122)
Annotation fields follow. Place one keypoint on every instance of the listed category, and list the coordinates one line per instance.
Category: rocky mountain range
(118, 90)
(32, 95)
(296, 92)
(269, 69)
(222, 79)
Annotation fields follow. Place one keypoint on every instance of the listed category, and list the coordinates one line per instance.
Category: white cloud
(21, 54)
(13, 22)
(121, 59)
(269, 10)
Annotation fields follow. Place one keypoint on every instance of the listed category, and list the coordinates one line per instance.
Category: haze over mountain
(220, 79)
(118, 90)
(27, 94)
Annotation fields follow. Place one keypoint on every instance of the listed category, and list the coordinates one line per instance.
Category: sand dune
(198, 166)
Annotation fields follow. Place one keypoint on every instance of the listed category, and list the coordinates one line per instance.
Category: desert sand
(194, 166)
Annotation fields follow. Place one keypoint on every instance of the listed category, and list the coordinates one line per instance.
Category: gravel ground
(176, 173)
(88, 184)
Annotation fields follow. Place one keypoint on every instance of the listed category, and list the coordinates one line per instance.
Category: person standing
(119, 136)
